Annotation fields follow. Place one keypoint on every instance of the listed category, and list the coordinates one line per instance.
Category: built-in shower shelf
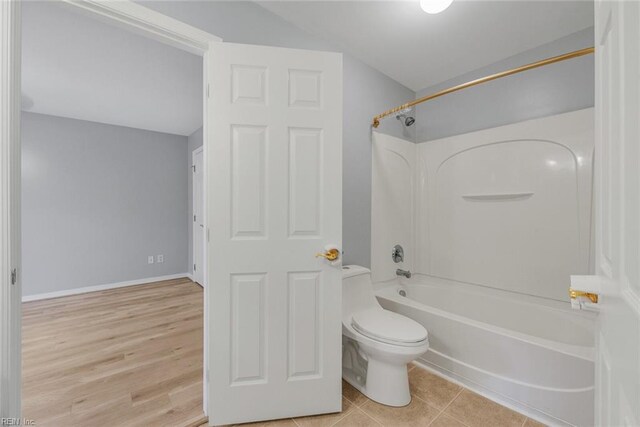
(497, 196)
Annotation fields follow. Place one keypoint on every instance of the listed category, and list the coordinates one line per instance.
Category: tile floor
(436, 402)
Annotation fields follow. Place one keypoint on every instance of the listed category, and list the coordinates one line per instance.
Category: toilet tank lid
(354, 270)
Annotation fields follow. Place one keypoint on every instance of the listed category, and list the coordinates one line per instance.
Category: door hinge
(14, 276)
(194, 218)
(194, 168)
(194, 267)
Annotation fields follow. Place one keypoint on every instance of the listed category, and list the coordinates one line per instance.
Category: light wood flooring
(124, 357)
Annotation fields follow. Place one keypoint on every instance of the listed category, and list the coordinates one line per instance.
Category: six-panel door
(275, 200)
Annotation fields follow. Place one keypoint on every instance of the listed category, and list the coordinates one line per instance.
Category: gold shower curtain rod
(570, 55)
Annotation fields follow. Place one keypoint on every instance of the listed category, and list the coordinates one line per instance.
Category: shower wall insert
(492, 224)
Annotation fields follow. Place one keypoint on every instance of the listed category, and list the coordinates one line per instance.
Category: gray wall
(97, 200)
(553, 89)
(194, 141)
(367, 92)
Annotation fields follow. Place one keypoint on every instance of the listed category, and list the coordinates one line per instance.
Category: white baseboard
(191, 277)
(104, 287)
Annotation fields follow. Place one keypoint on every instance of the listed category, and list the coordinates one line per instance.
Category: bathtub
(531, 354)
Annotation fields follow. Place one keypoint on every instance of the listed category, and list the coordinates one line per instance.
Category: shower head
(406, 120)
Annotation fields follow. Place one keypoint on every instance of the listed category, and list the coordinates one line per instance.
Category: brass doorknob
(331, 254)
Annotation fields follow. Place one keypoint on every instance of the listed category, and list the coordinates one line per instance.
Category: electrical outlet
(160, 258)
(150, 259)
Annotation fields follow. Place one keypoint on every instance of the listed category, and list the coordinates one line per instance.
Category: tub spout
(405, 273)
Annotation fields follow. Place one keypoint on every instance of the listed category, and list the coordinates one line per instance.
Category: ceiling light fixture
(435, 6)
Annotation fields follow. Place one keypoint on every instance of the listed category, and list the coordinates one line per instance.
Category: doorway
(105, 275)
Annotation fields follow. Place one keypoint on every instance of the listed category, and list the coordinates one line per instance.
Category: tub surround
(506, 208)
(492, 224)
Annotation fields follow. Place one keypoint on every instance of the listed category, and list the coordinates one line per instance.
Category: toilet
(377, 344)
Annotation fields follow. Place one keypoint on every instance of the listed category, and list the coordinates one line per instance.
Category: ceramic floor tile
(416, 413)
(477, 411)
(434, 390)
(533, 423)
(431, 394)
(357, 418)
(287, 422)
(352, 394)
(326, 420)
(446, 421)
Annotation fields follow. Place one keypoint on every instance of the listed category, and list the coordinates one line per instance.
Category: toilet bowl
(377, 344)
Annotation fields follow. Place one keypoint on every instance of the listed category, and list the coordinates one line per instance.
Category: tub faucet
(405, 273)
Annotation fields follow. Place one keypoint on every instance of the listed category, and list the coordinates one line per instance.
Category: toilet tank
(357, 290)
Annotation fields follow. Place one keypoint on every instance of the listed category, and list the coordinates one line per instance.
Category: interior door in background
(198, 217)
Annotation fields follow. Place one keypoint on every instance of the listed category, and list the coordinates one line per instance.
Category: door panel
(248, 328)
(304, 343)
(275, 159)
(617, 214)
(248, 181)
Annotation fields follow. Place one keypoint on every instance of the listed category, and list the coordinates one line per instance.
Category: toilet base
(380, 376)
(388, 384)
(385, 384)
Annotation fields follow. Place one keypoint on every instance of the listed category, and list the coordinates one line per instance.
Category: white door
(617, 189)
(275, 200)
(198, 217)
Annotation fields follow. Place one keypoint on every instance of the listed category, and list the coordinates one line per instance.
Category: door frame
(194, 153)
(129, 16)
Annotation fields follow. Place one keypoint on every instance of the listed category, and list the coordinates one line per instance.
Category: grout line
(454, 398)
(344, 415)
(353, 403)
(371, 416)
(447, 405)
(295, 422)
(363, 413)
(426, 403)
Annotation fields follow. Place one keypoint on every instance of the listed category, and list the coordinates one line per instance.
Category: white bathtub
(532, 354)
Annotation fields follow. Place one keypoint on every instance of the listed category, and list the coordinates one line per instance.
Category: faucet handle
(397, 254)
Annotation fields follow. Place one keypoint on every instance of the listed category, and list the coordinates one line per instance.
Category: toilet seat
(389, 327)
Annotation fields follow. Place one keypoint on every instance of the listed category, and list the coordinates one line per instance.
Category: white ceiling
(420, 50)
(77, 67)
